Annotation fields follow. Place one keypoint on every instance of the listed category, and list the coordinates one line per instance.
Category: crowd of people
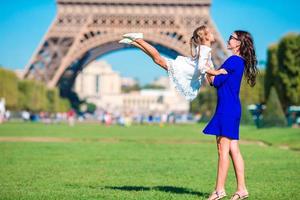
(101, 116)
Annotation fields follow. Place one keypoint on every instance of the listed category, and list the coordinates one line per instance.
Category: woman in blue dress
(226, 120)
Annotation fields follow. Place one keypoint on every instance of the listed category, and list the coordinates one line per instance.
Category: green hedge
(9, 88)
(30, 95)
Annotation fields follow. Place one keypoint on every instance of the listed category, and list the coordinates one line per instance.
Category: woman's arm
(219, 80)
(216, 81)
(229, 66)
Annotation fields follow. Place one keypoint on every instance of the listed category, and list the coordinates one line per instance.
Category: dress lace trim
(187, 92)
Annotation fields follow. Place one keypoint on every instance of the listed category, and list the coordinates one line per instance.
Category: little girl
(185, 73)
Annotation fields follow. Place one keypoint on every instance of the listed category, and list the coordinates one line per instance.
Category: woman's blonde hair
(199, 36)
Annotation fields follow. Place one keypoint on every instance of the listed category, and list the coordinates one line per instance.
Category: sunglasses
(232, 37)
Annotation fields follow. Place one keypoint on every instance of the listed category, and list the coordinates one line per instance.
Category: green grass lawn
(90, 161)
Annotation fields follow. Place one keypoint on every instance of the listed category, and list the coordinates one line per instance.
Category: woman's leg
(238, 164)
(151, 51)
(223, 145)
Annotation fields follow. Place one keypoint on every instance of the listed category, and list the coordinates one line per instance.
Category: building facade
(99, 84)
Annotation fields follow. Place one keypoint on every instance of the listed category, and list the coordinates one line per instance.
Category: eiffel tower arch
(86, 29)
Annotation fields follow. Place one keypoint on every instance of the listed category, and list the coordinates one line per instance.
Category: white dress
(186, 74)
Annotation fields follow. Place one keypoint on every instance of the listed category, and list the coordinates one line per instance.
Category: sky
(24, 23)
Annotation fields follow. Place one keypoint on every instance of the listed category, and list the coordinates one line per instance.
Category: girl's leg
(238, 164)
(140, 47)
(223, 145)
(151, 51)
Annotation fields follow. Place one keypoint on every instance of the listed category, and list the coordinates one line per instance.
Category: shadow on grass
(172, 189)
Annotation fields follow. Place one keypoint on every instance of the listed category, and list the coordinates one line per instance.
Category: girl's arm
(216, 72)
(210, 79)
(206, 65)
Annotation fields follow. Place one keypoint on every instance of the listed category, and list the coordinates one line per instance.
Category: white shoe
(126, 41)
(134, 36)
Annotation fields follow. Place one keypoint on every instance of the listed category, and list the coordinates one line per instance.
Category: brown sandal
(219, 195)
(245, 196)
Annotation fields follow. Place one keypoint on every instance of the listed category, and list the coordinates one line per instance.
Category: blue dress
(226, 120)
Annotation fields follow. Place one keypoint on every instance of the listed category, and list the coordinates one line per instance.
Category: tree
(9, 88)
(29, 95)
(64, 105)
(91, 107)
(153, 86)
(56, 103)
(274, 115)
(205, 103)
(289, 70)
(53, 100)
(253, 95)
(33, 96)
(128, 89)
(271, 69)
(246, 117)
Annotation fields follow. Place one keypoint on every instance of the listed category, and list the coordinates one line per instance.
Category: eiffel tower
(86, 29)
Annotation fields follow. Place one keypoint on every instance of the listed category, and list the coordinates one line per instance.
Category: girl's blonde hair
(199, 36)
